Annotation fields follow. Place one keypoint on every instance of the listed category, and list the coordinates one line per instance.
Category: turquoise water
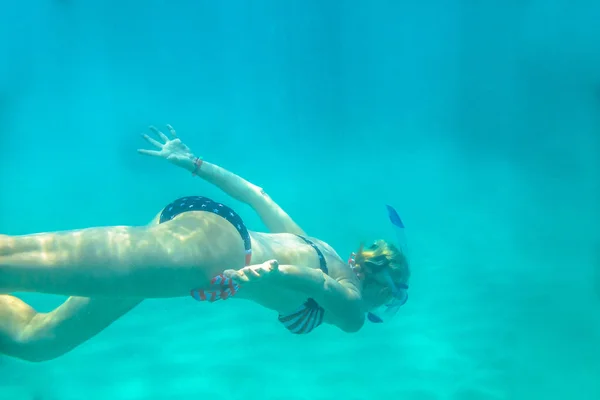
(479, 123)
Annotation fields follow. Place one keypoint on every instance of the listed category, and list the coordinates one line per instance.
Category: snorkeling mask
(399, 291)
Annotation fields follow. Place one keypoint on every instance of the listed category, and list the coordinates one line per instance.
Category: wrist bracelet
(197, 164)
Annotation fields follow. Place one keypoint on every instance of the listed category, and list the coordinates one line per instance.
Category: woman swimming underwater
(186, 249)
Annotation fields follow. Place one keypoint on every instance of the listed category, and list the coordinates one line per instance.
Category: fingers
(172, 131)
(274, 264)
(153, 153)
(240, 278)
(152, 141)
(229, 273)
(161, 135)
(236, 276)
(221, 288)
(251, 272)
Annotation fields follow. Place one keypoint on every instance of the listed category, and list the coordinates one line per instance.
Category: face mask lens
(389, 310)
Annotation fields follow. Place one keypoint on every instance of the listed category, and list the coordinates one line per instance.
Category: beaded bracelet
(198, 164)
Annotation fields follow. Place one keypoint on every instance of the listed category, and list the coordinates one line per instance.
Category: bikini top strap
(322, 260)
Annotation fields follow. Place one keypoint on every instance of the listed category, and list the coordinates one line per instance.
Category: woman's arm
(340, 299)
(272, 215)
(175, 151)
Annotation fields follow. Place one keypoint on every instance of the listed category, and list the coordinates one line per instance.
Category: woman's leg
(33, 336)
(165, 260)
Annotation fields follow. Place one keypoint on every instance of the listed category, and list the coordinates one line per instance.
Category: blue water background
(479, 121)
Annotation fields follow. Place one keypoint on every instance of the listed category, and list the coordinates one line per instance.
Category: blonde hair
(383, 255)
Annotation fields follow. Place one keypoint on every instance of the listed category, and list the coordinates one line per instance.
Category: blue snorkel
(399, 291)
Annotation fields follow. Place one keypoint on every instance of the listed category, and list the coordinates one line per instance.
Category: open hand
(227, 284)
(253, 273)
(173, 150)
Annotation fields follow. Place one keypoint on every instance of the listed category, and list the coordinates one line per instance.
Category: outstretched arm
(175, 151)
(341, 299)
(272, 215)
